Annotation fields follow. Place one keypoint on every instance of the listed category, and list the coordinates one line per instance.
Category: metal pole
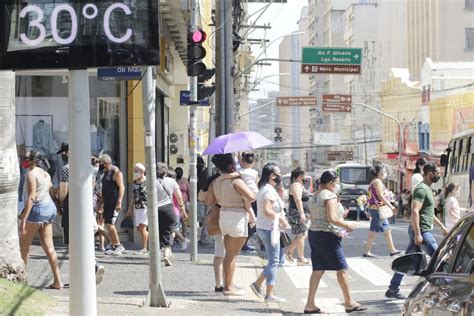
(82, 299)
(228, 67)
(365, 147)
(156, 295)
(212, 131)
(193, 150)
(220, 73)
(256, 109)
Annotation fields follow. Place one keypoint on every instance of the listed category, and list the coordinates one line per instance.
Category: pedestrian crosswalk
(364, 268)
(368, 281)
(369, 271)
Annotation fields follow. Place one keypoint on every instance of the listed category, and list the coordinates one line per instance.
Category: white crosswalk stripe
(300, 276)
(369, 271)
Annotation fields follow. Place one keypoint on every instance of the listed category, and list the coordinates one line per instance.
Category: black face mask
(179, 175)
(101, 168)
(435, 179)
(65, 158)
(277, 179)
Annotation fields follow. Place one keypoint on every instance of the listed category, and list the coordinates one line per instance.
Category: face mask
(25, 164)
(337, 188)
(457, 194)
(179, 175)
(101, 168)
(64, 157)
(435, 179)
(277, 179)
(303, 181)
(95, 168)
(136, 175)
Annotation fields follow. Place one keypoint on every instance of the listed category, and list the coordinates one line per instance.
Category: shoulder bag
(385, 212)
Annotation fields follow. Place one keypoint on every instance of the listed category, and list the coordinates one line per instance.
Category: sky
(283, 19)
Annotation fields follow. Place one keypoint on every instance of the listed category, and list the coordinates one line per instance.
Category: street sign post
(337, 103)
(341, 155)
(185, 99)
(297, 101)
(331, 60)
(119, 73)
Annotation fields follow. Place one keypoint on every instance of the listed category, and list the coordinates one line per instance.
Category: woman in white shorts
(229, 194)
(138, 205)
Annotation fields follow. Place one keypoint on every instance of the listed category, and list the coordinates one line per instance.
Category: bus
(354, 180)
(457, 161)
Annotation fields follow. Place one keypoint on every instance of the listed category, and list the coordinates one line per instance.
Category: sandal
(54, 287)
(357, 308)
(303, 261)
(289, 257)
(315, 311)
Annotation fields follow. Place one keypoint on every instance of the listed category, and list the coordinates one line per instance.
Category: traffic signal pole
(193, 85)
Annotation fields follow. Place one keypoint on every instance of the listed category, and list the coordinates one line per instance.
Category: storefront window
(42, 118)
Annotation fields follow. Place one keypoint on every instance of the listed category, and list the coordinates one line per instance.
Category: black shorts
(110, 214)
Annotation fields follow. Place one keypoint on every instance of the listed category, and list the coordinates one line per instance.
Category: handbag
(285, 239)
(212, 220)
(385, 212)
(127, 223)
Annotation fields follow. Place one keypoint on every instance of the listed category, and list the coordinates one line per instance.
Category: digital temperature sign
(49, 34)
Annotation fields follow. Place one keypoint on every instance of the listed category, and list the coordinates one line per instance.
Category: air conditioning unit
(178, 148)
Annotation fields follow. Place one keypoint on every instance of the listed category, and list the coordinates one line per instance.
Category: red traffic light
(197, 36)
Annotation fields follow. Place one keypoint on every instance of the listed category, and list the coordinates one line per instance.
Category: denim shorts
(42, 212)
(377, 225)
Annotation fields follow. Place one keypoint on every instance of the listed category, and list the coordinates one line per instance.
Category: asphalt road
(190, 286)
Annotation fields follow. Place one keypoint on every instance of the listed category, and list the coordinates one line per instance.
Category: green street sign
(331, 56)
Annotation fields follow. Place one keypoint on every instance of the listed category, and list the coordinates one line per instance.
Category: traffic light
(196, 52)
(204, 90)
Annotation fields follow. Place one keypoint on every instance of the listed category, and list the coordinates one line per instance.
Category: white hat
(140, 166)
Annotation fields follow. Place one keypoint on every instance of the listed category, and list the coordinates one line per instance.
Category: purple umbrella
(234, 142)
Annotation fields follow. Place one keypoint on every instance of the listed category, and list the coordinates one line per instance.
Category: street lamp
(400, 138)
(256, 109)
(268, 59)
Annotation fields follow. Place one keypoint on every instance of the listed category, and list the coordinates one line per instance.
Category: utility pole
(220, 107)
(81, 249)
(156, 295)
(228, 66)
(365, 147)
(193, 88)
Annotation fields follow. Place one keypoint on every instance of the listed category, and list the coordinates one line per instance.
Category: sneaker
(185, 244)
(219, 289)
(395, 294)
(274, 299)
(248, 248)
(142, 252)
(108, 247)
(116, 250)
(167, 261)
(99, 274)
(257, 290)
(396, 253)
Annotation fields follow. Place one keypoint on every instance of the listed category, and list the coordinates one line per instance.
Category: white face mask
(337, 188)
(136, 175)
(457, 193)
(95, 168)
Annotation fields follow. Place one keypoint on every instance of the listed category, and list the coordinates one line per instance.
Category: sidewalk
(189, 286)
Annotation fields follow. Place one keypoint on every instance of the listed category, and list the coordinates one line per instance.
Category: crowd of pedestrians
(239, 201)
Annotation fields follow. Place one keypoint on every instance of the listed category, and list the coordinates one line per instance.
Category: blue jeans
(429, 245)
(273, 255)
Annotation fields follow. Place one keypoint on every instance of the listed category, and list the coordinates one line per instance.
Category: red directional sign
(337, 103)
(298, 100)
